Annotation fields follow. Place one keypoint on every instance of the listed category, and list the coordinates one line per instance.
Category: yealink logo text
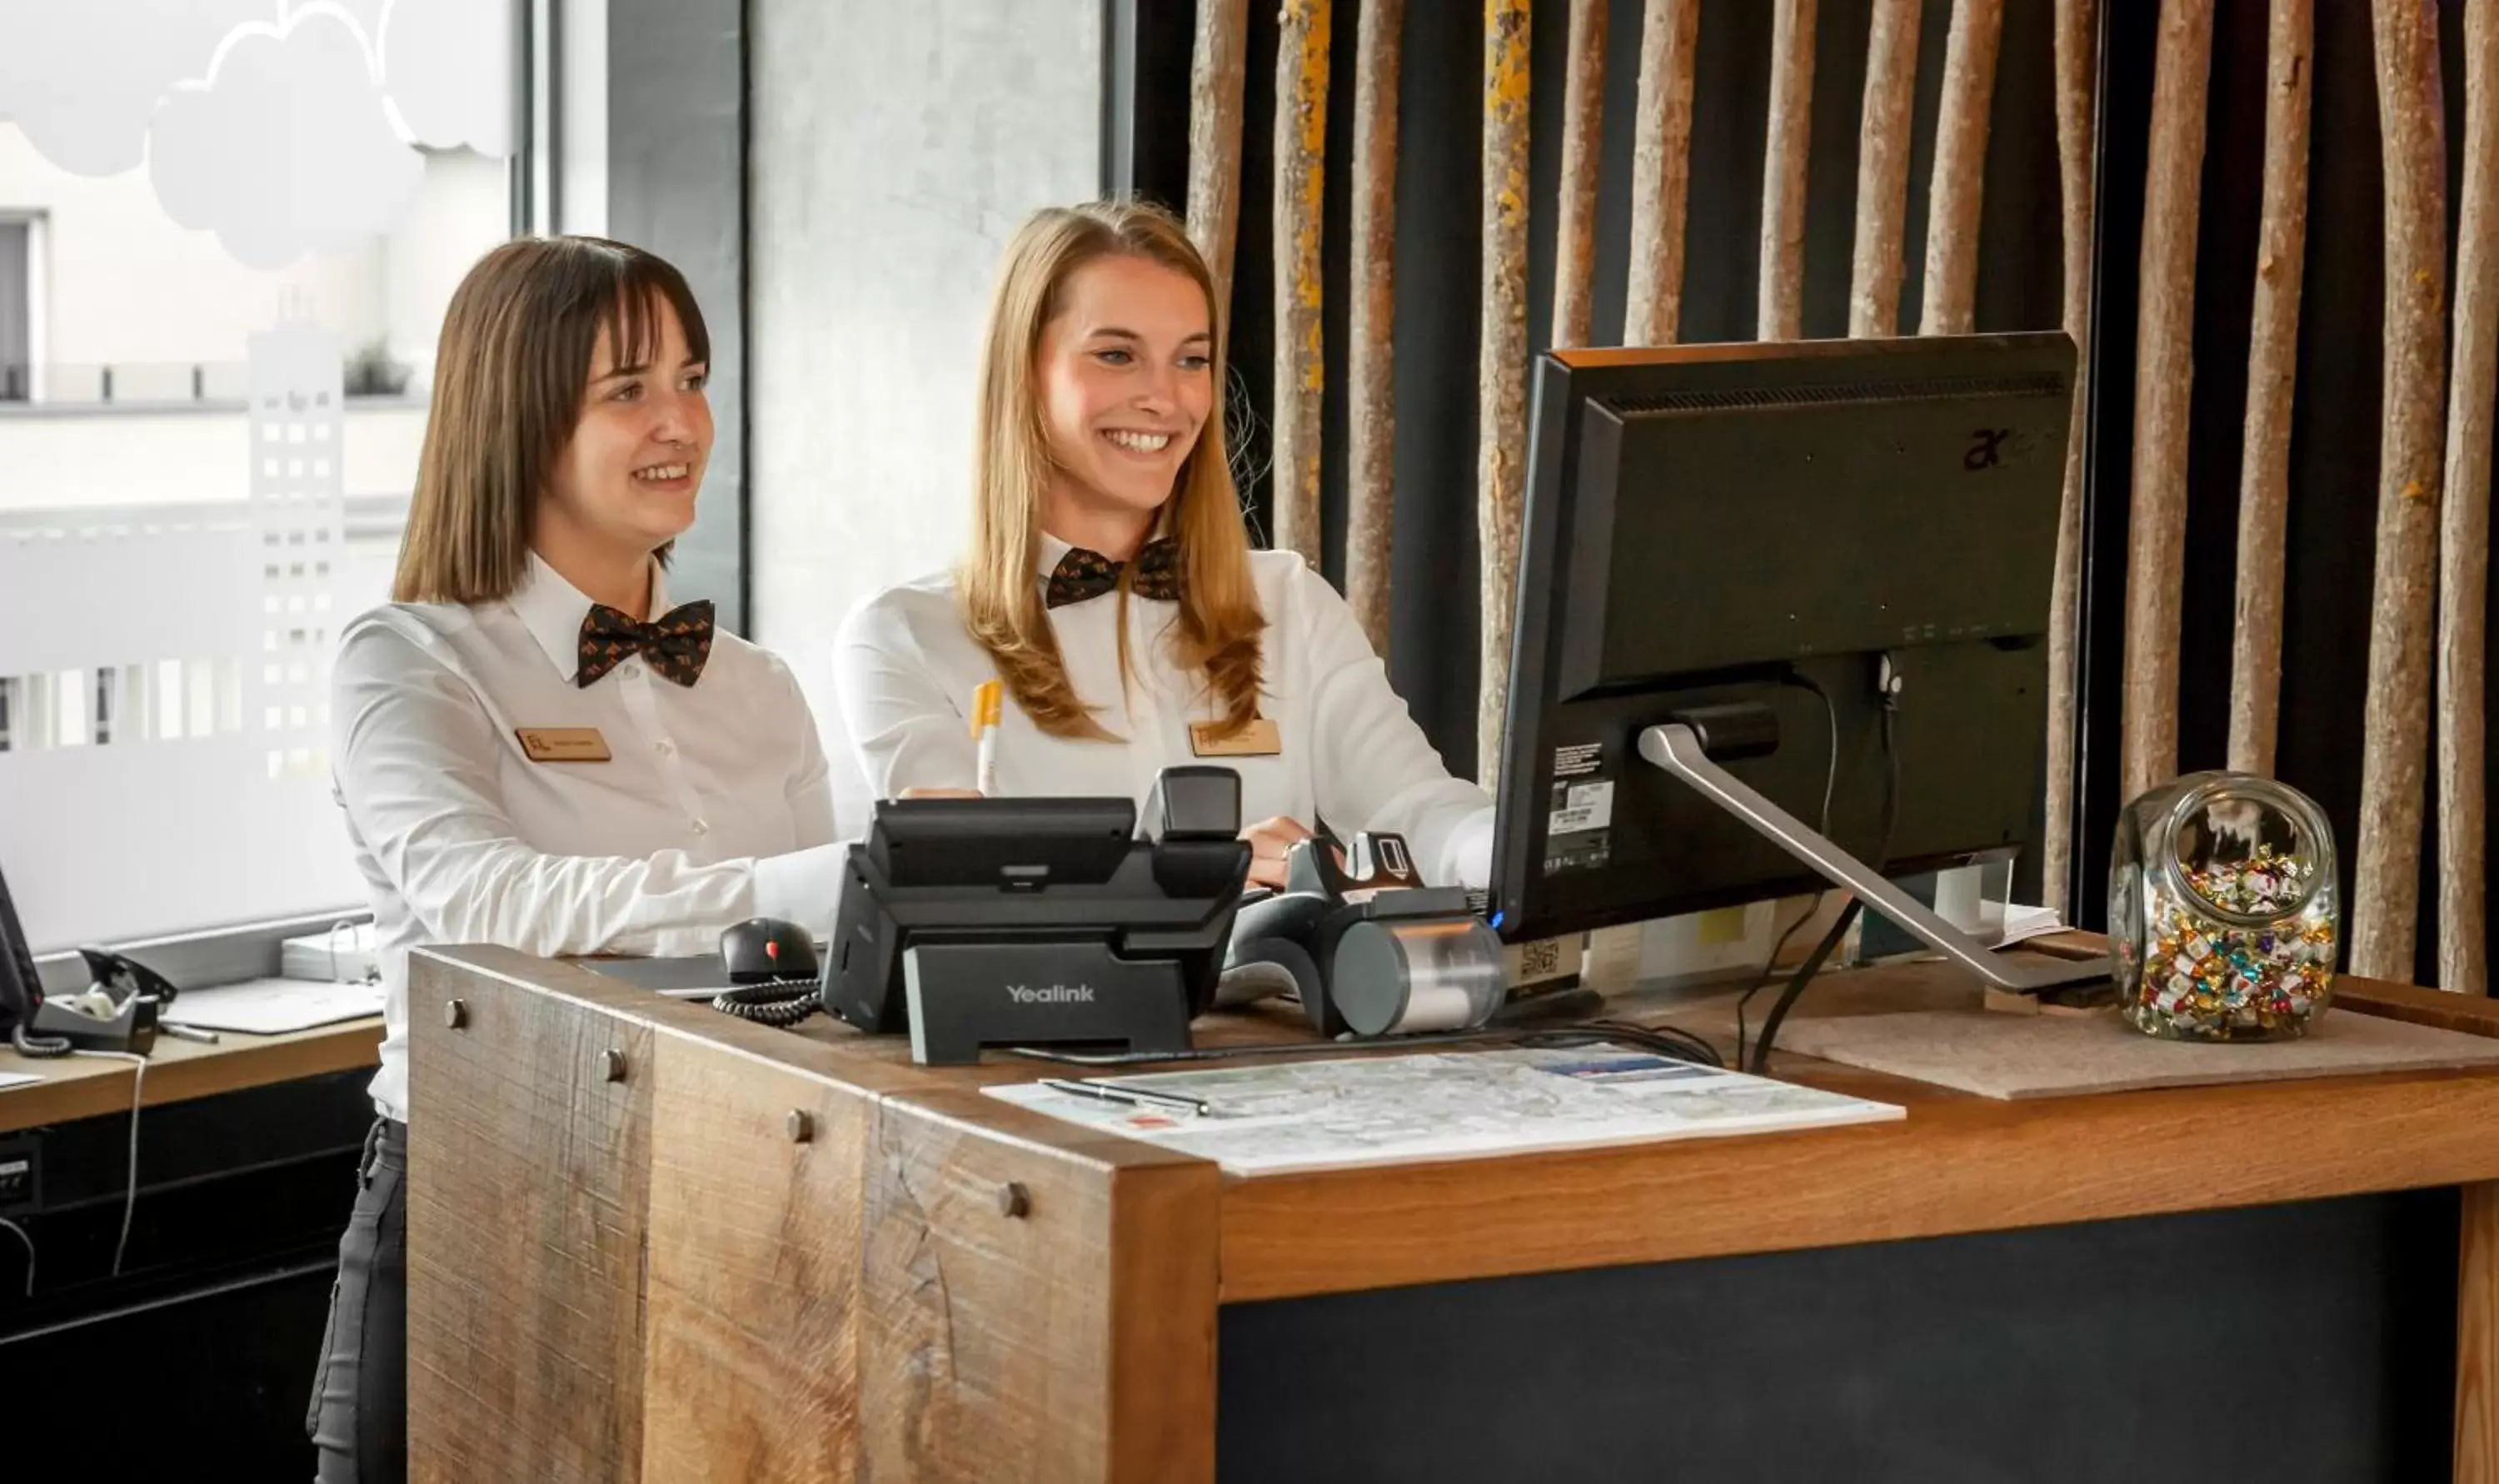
(1051, 994)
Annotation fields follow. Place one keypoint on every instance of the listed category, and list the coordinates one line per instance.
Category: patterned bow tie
(676, 643)
(1082, 574)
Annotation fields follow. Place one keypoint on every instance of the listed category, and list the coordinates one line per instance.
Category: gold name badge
(1259, 739)
(563, 744)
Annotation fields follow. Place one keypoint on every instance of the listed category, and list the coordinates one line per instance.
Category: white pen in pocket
(988, 704)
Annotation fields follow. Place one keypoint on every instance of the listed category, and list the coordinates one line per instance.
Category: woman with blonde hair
(535, 747)
(1112, 591)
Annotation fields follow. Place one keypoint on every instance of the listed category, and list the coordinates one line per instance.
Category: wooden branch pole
(1583, 141)
(1883, 169)
(1370, 365)
(2273, 362)
(2464, 536)
(1501, 417)
(2077, 66)
(1217, 64)
(2386, 876)
(2164, 374)
(1661, 171)
(1961, 166)
(1780, 310)
(1301, 366)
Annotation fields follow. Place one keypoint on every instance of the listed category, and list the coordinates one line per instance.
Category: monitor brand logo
(1051, 994)
(1987, 449)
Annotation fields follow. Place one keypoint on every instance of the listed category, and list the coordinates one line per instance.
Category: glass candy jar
(2222, 910)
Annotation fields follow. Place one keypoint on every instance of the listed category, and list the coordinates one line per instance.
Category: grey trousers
(358, 1419)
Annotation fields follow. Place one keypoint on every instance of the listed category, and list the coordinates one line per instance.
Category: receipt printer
(1366, 947)
(1032, 921)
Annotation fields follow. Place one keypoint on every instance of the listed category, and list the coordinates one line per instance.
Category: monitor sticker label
(1579, 825)
(1579, 759)
(1582, 807)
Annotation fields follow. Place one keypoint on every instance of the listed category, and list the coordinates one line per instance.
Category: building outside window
(218, 303)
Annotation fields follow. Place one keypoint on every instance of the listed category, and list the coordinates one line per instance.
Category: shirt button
(665, 748)
(701, 827)
(630, 667)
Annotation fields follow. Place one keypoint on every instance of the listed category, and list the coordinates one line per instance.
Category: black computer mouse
(761, 948)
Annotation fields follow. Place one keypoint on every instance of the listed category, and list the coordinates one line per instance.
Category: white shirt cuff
(1469, 852)
(802, 886)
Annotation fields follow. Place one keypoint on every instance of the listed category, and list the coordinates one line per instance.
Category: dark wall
(1433, 646)
(2332, 532)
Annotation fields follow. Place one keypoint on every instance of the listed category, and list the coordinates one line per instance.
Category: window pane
(218, 309)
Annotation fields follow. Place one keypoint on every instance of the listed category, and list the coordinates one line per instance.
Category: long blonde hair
(1219, 622)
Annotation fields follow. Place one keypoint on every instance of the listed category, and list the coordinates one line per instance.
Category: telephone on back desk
(116, 1012)
(119, 1011)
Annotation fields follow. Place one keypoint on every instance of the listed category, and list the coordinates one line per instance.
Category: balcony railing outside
(171, 383)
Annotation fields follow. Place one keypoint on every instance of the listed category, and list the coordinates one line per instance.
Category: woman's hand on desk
(1268, 841)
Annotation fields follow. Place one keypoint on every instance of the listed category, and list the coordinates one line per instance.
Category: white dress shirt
(1351, 757)
(713, 806)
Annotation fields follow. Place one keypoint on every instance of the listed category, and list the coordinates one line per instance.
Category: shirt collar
(1049, 549)
(1047, 554)
(552, 609)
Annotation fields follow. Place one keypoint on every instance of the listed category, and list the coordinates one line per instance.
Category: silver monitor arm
(1676, 748)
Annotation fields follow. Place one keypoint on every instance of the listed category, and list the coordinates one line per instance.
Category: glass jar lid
(2238, 848)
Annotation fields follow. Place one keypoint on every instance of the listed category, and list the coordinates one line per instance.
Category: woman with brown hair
(532, 747)
(1112, 592)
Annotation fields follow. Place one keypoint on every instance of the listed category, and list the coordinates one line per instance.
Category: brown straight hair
(1219, 622)
(512, 374)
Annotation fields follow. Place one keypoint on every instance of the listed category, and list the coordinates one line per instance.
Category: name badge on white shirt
(563, 744)
(1259, 739)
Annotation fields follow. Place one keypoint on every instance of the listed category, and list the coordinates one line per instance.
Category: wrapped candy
(2222, 910)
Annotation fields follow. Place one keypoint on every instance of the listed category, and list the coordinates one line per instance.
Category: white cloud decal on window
(286, 147)
(81, 77)
(445, 63)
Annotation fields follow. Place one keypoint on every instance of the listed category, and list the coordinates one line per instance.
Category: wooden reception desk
(650, 1241)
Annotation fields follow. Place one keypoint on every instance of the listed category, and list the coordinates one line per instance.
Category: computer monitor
(1777, 543)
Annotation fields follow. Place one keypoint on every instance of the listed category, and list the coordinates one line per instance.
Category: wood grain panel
(1953, 1166)
(1075, 1341)
(178, 1071)
(2477, 1336)
(528, 1174)
(656, 1280)
(752, 1365)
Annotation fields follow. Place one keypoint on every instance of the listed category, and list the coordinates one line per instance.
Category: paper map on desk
(1319, 1114)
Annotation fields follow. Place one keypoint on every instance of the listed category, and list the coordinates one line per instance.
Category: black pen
(1133, 1097)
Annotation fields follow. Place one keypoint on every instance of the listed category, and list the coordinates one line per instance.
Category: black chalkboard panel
(2293, 1343)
